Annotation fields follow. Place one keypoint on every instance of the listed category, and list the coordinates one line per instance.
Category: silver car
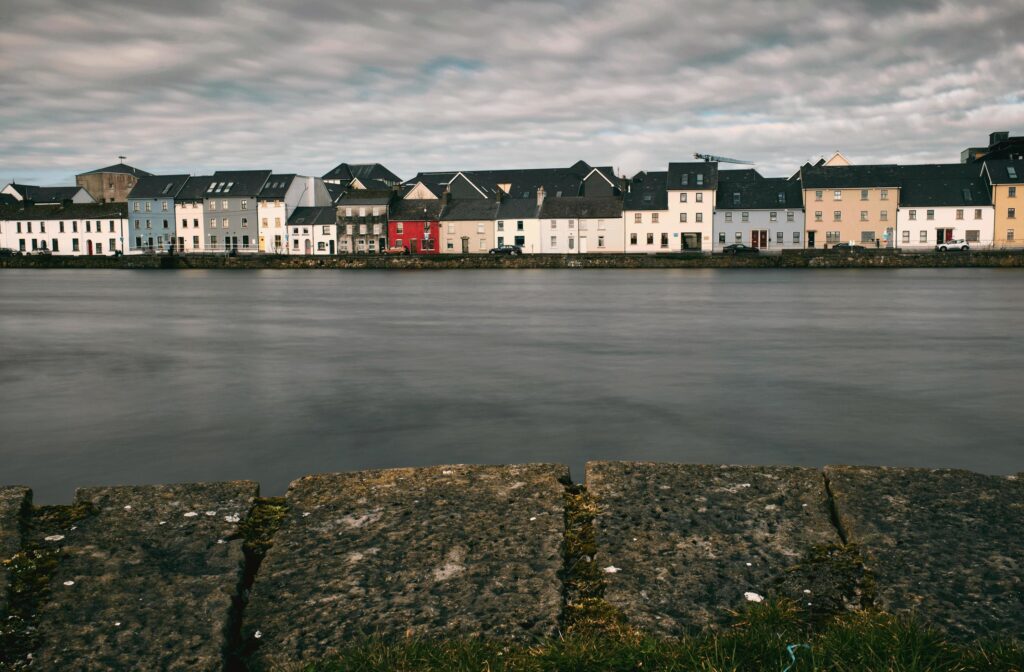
(959, 244)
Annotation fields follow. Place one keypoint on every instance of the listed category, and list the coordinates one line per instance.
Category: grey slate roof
(416, 209)
(948, 184)
(997, 171)
(195, 188)
(366, 197)
(242, 183)
(45, 194)
(119, 168)
(277, 186)
(363, 171)
(469, 209)
(647, 191)
(849, 177)
(577, 207)
(756, 192)
(313, 216)
(69, 211)
(523, 182)
(336, 191)
(8, 200)
(158, 186)
(518, 208)
(685, 175)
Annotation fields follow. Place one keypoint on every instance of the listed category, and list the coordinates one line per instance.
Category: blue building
(151, 225)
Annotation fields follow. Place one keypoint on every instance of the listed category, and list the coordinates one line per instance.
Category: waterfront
(162, 376)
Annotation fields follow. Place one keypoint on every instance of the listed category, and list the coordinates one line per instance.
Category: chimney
(540, 196)
(998, 136)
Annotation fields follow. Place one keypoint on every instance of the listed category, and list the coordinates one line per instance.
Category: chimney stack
(540, 196)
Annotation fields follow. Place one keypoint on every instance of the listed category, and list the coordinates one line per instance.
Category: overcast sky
(302, 85)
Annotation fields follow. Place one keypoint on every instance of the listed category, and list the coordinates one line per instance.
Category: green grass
(756, 642)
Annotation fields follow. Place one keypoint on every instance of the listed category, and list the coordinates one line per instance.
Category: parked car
(740, 248)
(8, 252)
(396, 249)
(43, 252)
(507, 249)
(847, 247)
(959, 244)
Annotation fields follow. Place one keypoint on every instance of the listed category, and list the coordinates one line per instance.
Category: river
(113, 377)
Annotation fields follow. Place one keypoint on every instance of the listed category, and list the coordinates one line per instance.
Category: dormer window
(686, 179)
(1011, 172)
(736, 198)
(700, 179)
(782, 198)
(967, 195)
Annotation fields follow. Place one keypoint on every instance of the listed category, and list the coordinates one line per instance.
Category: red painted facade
(416, 236)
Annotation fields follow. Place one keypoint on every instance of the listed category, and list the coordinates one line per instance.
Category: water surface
(162, 376)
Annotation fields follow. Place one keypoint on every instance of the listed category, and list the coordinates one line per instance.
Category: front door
(263, 244)
(465, 244)
(413, 246)
(332, 247)
(309, 246)
(810, 239)
(943, 235)
(89, 247)
(759, 238)
(583, 244)
(691, 241)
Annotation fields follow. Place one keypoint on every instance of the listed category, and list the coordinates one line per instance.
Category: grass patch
(31, 570)
(756, 641)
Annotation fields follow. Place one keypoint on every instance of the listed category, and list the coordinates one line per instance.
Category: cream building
(850, 204)
(578, 225)
(943, 202)
(1007, 188)
(691, 207)
(468, 226)
(647, 223)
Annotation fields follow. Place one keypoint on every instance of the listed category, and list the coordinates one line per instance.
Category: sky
(193, 86)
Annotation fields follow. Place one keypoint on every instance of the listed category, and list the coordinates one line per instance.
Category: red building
(415, 225)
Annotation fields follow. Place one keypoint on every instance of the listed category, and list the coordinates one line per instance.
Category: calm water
(164, 376)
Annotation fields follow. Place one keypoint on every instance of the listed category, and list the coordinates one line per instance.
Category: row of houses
(694, 206)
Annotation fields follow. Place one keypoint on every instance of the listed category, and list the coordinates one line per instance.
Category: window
(906, 236)
(326, 229)
(863, 194)
(650, 239)
(42, 227)
(700, 194)
(29, 226)
(654, 218)
(913, 215)
(501, 240)
(837, 195)
(721, 236)
(973, 236)
(1012, 172)
(735, 199)
(837, 215)
(638, 218)
(700, 180)
(632, 239)
(1013, 192)
(818, 194)
(831, 236)
(479, 229)
(867, 236)
(184, 223)
(1009, 234)
(977, 213)
(572, 223)
(817, 215)
(520, 240)
(321, 246)
(163, 206)
(165, 223)
(149, 207)
(74, 244)
(213, 242)
(863, 215)
(135, 207)
(583, 225)
(111, 226)
(601, 226)
(501, 226)
(224, 205)
(554, 224)
(745, 216)
(99, 248)
(686, 179)
(195, 242)
(450, 245)
(112, 245)
(245, 205)
(277, 222)
(682, 197)
(19, 227)
(1011, 213)
(226, 222)
(213, 205)
(884, 194)
(554, 241)
(923, 237)
(728, 217)
(520, 226)
(451, 227)
(960, 213)
(884, 215)
(664, 240)
(796, 237)
(700, 217)
(62, 227)
(295, 244)
(773, 217)
(779, 237)
(54, 246)
(930, 215)
(739, 237)
(682, 217)
(789, 216)
(600, 241)
(399, 229)
(782, 198)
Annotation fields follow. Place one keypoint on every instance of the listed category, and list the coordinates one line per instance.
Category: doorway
(465, 244)
(309, 246)
(759, 238)
(88, 246)
(691, 242)
(583, 244)
(332, 247)
(810, 239)
(414, 246)
(943, 235)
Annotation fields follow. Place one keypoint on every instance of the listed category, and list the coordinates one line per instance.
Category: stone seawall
(180, 576)
(794, 259)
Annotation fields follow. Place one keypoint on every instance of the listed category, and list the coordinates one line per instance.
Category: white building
(762, 212)
(68, 230)
(691, 205)
(313, 230)
(647, 222)
(578, 225)
(518, 222)
(944, 202)
(276, 202)
(33, 195)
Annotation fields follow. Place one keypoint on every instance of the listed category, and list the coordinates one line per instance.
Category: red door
(759, 239)
(88, 245)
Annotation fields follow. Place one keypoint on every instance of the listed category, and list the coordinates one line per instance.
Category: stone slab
(682, 543)
(947, 544)
(147, 582)
(449, 550)
(13, 500)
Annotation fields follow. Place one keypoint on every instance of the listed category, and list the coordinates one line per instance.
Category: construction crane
(721, 159)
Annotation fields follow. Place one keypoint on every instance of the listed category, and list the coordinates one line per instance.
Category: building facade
(517, 222)
(66, 230)
(277, 200)
(313, 230)
(578, 225)
(1007, 189)
(152, 221)
(943, 202)
(112, 184)
(230, 210)
(762, 212)
(33, 195)
(363, 221)
(468, 226)
(647, 222)
(414, 224)
(691, 188)
(190, 214)
(850, 204)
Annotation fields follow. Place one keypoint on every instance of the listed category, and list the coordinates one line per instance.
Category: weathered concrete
(947, 544)
(466, 550)
(13, 500)
(681, 544)
(147, 582)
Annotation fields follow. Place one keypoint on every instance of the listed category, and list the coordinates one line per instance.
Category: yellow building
(850, 204)
(1005, 180)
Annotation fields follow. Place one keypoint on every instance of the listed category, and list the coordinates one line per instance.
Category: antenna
(122, 158)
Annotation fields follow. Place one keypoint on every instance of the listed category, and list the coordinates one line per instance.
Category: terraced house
(71, 229)
(468, 226)
(33, 195)
(941, 203)
(762, 212)
(692, 188)
(372, 176)
(414, 224)
(277, 200)
(152, 223)
(579, 225)
(519, 218)
(647, 221)
(362, 216)
(189, 210)
(850, 204)
(231, 210)
(314, 230)
(1006, 181)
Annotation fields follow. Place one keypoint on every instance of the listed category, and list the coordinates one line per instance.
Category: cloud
(301, 85)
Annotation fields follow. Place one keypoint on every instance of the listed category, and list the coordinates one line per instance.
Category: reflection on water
(162, 376)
